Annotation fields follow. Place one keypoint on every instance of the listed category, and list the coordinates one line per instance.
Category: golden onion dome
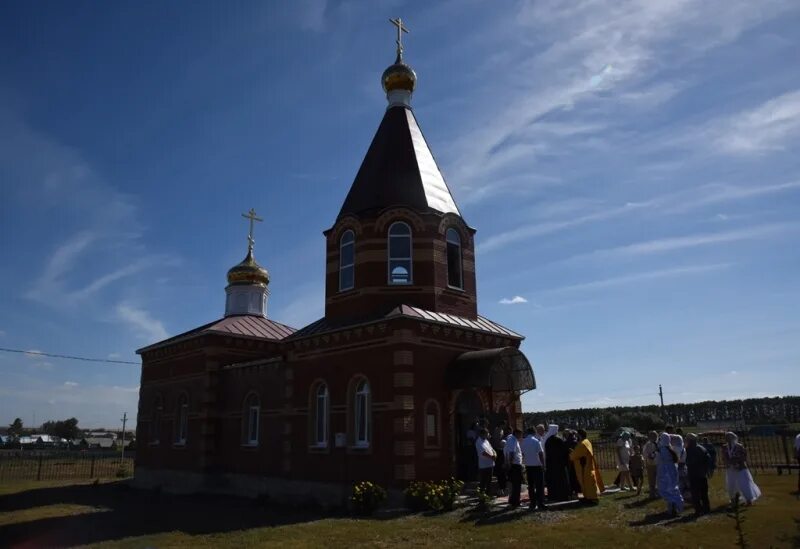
(248, 272)
(399, 76)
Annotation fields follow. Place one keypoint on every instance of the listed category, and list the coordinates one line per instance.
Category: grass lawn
(112, 515)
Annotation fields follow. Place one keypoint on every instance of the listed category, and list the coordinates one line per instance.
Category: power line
(69, 357)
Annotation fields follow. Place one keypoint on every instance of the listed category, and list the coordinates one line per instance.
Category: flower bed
(433, 495)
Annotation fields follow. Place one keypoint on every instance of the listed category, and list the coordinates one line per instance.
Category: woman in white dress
(738, 479)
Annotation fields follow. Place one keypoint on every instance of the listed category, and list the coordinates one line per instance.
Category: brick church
(385, 387)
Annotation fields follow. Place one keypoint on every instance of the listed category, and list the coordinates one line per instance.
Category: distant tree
(15, 429)
(642, 421)
(67, 428)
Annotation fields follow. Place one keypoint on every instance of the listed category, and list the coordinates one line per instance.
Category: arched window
(455, 278)
(250, 419)
(400, 254)
(155, 421)
(320, 415)
(347, 246)
(432, 426)
(182, 419)
(361, 414)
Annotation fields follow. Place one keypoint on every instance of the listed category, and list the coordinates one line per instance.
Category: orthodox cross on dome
(251, 215)
(400, 30)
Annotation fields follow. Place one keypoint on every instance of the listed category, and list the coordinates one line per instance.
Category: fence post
(39, 469)
(91, 472)
(785, 450)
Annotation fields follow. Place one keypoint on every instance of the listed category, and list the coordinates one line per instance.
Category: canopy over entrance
(502, 369)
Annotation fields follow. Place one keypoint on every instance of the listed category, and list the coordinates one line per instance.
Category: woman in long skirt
(738, 479)
(667, 463)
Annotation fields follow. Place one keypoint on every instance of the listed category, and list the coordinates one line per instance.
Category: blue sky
(632, 169)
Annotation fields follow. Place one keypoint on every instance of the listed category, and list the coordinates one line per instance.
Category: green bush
(433, 495)
(367, 497)
(484, 499)
(123, 472)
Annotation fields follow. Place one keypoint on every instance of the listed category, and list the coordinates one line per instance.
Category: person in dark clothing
(698, 464)
(501, 468)
(514, 459)
(712, 456)
(570, 441)
(556, 475)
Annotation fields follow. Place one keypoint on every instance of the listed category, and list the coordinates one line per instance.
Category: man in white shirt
(513, 455)
(533, 459)
(486, 457)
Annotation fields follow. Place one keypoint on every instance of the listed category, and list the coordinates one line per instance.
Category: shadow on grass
(504, 513)
(665, 519)
(124, 512)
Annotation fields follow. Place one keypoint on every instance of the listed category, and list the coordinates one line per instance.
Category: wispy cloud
(773, 125)
(599, 51)
(517, 299)
(689, 241)
(547, 227)
(640, 277)
(143, 324)
(665, 204)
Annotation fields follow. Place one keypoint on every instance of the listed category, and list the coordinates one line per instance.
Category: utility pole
(661, 396)
(124, 420)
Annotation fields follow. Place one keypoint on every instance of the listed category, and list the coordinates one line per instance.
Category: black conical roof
(398, 170)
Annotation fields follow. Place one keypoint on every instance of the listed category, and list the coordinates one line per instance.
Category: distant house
(720, 425)
(102, 434)
(5, 439)
(47, 441)
(99, 443)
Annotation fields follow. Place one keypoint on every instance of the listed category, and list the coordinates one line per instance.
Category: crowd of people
(557, 466)
(561, 465)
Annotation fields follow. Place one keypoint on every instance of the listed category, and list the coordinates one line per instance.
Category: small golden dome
(248, 272)
(399, 77)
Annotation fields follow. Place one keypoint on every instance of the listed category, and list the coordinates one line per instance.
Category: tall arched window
(432, 425)
(361, 414)
(182, 419)
(455, 278)
(347, 245)
(155, 421)
(400, 254)
(320, 407)
(250, 420)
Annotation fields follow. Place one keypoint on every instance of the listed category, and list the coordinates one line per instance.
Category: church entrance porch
(503, 374)
(468, 417)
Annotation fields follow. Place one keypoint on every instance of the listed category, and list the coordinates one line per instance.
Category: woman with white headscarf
(667, 463)
(737, 476)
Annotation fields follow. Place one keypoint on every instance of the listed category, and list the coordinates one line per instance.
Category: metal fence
(763, 452)
(63, 465)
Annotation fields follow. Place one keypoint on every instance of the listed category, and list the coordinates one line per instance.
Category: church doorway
(468, 417)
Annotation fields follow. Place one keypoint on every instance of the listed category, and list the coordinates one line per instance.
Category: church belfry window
(400, 254)
(455, 276)
(347, 245)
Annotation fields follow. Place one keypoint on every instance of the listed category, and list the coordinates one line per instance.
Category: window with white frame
(182, 430)
(400, 255)
(252, 414)
(361, 415)
(320, 415)
(455, 276)
(347, 246)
